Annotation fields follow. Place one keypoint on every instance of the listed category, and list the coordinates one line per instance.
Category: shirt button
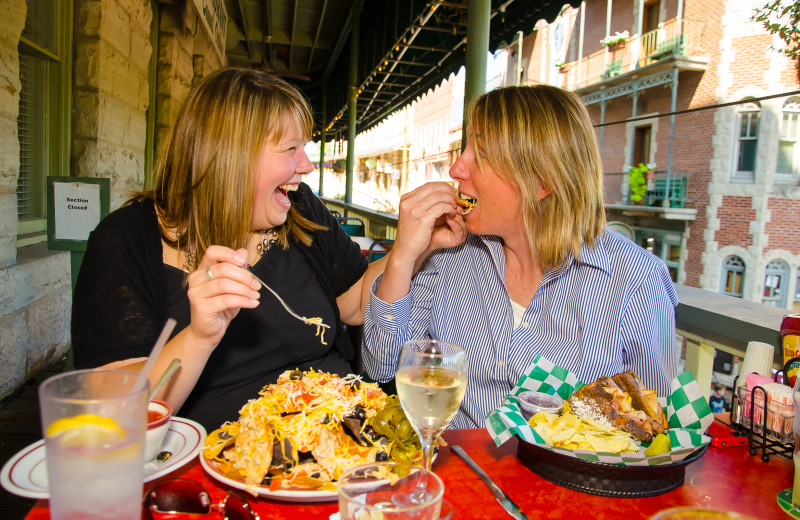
(388, 317)
(525, 325)
(500, 363)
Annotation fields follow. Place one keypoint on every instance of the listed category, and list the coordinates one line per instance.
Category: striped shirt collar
(595, 256)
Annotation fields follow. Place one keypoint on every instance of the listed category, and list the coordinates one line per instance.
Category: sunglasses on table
(186, 497)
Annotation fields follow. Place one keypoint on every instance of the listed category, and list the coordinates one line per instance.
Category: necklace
(268, 238)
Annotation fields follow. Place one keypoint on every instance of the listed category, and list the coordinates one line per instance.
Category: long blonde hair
(206, 172)
(537, 137)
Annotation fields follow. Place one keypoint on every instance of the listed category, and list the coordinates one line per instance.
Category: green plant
(782, 17)
(637, 180)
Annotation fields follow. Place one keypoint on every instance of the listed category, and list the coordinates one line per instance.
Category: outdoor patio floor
(20, 426)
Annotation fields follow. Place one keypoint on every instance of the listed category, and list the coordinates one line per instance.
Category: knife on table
(508, 504)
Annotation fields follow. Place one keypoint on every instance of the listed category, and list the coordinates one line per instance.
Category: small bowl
(159, 415)
(535, 402)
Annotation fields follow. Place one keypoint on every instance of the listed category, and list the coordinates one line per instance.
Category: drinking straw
(160, 342)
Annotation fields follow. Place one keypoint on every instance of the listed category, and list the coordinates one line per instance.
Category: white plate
(285, 495)
(25, 474)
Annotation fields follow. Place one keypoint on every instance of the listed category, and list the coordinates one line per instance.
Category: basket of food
(303, 432)
(611, 437)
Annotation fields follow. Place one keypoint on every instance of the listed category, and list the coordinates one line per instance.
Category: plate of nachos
(296, 439)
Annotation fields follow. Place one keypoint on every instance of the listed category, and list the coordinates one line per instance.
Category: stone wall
(111, 94)
(110, 103)
(34, 282)
(12, 21)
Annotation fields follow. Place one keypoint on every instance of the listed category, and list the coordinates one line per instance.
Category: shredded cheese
(317, 321)
(301, 413)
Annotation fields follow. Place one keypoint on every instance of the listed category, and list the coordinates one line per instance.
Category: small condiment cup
(535, 402)
(156, 428)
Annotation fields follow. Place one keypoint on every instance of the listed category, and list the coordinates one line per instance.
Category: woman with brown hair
(529, 267)
(228, 197)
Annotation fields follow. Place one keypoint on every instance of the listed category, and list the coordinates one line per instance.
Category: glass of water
(94, 423)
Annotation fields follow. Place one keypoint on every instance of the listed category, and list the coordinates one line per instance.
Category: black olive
(326, 419)
(315, 475)
(164, 455)
(296, 375)
(267, 481)
(359, 413)
(356, 384)
(382, 456)
(369, 431)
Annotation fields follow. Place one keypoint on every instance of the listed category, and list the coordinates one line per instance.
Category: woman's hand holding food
(218, 288)
(429, 219)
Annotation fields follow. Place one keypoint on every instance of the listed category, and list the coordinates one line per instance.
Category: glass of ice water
(94, 423)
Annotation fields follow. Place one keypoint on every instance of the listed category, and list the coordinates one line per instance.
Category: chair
(623, 229)
(336, 213)
(373, 255)
(353, 226)
(677, 192)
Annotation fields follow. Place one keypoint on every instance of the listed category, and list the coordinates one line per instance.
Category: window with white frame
(665, 245)
(776, 279)
(746, 141)
(43, 119)
(788, 150)
(733, 269)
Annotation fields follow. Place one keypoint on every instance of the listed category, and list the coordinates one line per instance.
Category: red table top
(723, 478)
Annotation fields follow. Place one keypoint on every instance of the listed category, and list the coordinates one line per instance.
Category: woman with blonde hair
(228, 199)
(529, 268)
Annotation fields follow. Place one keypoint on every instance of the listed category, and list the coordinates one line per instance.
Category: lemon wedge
(88, 430)
(660, 445)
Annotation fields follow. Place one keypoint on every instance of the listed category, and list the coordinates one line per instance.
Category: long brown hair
(542, 137)
(206, 171)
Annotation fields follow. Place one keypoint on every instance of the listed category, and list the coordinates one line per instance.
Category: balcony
(655, 203)
(673, 45)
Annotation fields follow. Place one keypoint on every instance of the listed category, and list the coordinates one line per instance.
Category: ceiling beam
(316, 35)
(294, 35)
(246, 28)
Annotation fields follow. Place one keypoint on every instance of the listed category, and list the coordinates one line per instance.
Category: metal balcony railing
(672, 38)
(617, 190)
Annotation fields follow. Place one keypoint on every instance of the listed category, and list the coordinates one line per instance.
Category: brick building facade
(740, 162)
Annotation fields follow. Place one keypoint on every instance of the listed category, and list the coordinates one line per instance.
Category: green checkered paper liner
(687, 409)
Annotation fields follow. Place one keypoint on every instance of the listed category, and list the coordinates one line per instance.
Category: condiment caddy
(768, 428)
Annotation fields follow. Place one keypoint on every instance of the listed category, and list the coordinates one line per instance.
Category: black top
(125, 293)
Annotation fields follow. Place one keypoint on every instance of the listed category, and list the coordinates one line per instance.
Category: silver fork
(285, 306)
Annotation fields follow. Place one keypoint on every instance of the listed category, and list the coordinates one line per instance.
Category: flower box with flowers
(616, 38)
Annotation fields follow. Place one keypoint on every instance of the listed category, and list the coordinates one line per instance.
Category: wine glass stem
(419, 495)
(427, 450)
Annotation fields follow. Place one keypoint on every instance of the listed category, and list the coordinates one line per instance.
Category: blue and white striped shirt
(609, 312)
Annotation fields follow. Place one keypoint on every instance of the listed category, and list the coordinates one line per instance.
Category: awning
(405, 47)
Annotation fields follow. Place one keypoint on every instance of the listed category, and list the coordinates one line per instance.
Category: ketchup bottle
(790, 339)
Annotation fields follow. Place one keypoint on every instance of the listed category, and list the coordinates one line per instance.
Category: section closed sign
(76, 208)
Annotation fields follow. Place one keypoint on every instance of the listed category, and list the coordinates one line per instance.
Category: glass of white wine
(431, 381)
